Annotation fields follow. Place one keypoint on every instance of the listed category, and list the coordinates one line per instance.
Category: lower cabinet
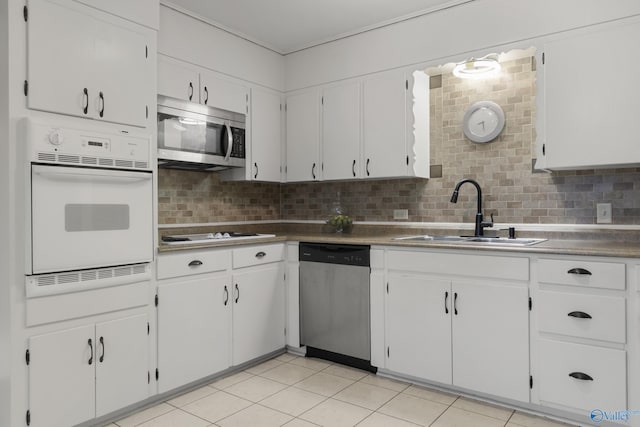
(93, 370)
(470, 333)
(216, 314)
(258, 312)
(194, 330)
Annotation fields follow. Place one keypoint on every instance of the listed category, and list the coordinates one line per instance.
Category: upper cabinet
(341, 131)
(371, 127)
(188, 82)
(265, 136)
(590, 99)
(303, 136)
(396, 125)
(87, 63)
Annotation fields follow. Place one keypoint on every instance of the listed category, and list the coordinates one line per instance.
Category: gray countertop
(590, 247)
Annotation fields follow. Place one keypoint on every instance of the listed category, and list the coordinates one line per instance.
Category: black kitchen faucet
(480, 224)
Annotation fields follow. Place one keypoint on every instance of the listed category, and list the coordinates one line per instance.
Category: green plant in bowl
(340, 222)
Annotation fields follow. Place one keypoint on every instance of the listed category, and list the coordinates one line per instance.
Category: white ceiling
(286, 26)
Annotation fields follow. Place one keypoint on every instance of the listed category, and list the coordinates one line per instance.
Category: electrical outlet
(400, 214)
(603, 213)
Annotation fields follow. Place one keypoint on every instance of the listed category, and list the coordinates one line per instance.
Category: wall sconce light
(478, 68)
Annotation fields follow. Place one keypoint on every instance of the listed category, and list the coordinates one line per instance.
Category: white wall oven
(90, 207)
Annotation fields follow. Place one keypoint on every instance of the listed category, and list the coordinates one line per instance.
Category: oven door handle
(229, 141)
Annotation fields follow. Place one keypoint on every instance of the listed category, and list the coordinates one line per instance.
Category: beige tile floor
(297, 392)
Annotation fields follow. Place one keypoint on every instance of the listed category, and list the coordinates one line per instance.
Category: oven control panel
(51, 143)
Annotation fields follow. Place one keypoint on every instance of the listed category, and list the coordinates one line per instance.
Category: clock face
(483, 121)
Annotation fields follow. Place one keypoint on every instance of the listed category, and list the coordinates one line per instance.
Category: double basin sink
(473, 240)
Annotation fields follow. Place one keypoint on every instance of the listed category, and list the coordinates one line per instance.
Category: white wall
(197, 42)
(460, 30)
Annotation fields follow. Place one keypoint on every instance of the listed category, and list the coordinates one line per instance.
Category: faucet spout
(480, 224)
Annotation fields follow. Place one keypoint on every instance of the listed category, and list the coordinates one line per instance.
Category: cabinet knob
(56, 137)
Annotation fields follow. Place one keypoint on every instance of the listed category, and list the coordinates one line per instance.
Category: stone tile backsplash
(511, 191)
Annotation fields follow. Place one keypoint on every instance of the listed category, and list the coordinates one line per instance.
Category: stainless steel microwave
(198, 137)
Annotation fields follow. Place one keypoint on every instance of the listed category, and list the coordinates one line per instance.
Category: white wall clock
(483, 121)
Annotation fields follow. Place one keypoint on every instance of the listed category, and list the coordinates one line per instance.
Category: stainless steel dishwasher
(334, 303)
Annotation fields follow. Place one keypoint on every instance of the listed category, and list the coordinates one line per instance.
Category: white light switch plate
(400, 214)
(603, 213)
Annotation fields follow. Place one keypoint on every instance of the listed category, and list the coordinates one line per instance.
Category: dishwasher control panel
(335, 253)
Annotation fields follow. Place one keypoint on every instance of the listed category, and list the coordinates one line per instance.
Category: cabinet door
(178, 80)
(122, 363)
(123, 65)
(194, 330)
(62, 377)
(384, 125)
(418, 327)
(584, 107)
(258, 312)
(341, 131)
(60, 48)
(218, 92)
(303, 136)
(266, 135)
(87, 63)
(491, 339)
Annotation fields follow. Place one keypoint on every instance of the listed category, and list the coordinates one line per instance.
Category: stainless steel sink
(473, 240)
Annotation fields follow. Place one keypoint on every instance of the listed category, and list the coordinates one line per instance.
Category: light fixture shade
(477, 68)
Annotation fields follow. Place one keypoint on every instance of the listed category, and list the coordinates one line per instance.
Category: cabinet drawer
(257, 255)
(577, 272)
(559, 365)
(193, 262)
(586, 316)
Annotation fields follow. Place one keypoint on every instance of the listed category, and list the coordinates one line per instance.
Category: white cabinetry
(442, 326)
(580, 331)
(341, 131)
(218, 308)
(181, 80)
(303, 136)
(396, 125)
(266, 135)
(87, 63)
(590, 115)
(371, 127)
(194, 316)
(88, 371)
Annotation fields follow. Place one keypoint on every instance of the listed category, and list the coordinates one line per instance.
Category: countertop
(554, 246)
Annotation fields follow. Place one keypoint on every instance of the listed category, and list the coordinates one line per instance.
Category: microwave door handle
(229, 142)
